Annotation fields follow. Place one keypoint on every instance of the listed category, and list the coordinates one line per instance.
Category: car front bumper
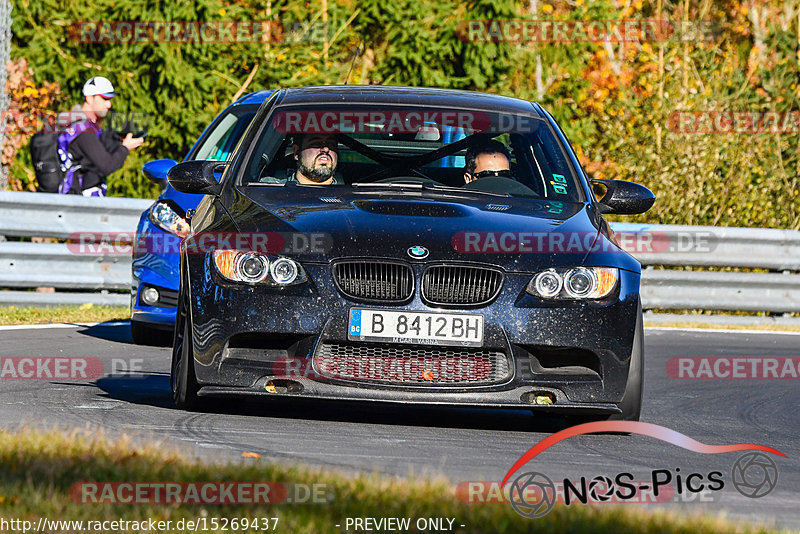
(261, 341)
(157, 265)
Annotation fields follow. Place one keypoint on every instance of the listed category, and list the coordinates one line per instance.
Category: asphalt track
(461, 444)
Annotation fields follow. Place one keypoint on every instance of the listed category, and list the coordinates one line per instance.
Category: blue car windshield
(515, 154)
(225, 133)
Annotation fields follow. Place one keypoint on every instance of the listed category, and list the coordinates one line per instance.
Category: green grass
(87, 313)
(723, 312)
(714, 326)
(38, 468)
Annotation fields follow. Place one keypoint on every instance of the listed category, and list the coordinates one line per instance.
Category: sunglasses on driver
(504, 173)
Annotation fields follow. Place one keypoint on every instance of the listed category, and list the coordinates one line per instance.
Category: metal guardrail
(732, 291)
(28, 265)
(61, 216)
(56, 265)
(712, 246)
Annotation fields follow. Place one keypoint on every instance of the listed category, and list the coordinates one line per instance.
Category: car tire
(631, 403)
(143, 334)
(182, 378)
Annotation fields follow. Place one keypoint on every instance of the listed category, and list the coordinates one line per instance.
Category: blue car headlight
(163, 216)
(577, 283)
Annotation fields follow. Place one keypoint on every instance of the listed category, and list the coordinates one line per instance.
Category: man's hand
(130, 142)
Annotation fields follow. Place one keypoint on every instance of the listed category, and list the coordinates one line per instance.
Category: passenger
(489, 158)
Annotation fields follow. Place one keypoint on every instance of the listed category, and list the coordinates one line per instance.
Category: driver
(316, 156)
(489, 158)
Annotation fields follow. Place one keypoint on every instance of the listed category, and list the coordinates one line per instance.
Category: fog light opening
(150, 296)
(539, 398)
(283, 386)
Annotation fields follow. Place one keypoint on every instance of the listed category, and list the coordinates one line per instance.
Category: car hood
(516, 234)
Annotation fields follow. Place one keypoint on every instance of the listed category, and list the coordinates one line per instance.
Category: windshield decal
(560, 184)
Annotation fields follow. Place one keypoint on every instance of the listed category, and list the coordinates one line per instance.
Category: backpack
(46, 163)
(52, 162)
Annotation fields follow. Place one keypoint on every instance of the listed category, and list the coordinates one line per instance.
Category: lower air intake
(413, 365)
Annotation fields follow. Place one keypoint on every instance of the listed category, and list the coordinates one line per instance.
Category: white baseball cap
(98, 86)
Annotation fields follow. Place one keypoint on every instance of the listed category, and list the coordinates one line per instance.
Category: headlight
(284, 271)
(255, 268)
(547, 284)
(165, 218)
(252, 267)
(579, 283)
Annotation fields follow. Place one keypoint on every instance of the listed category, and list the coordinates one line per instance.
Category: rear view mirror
(428, 132)
(621, 197)
(196, 177)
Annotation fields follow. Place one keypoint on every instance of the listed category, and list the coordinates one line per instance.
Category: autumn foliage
(613, 98)
(31, 106)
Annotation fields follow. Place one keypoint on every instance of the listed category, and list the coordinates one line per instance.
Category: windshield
(392, 147)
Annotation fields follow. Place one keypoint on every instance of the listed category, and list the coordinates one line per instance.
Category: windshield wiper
(403, 185)
(430, 186)
(433, 186)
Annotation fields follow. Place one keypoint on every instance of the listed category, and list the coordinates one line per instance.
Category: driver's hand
(130, 142)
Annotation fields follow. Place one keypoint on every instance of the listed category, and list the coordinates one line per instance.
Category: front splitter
(506, 399)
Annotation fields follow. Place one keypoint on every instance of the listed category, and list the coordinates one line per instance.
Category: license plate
(416, 327)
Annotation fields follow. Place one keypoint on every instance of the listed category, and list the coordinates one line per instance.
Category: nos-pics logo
(533, 494)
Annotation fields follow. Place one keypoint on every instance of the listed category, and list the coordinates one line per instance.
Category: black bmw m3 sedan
(408, 245)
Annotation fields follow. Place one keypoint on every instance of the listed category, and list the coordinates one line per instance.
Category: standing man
(88, 160)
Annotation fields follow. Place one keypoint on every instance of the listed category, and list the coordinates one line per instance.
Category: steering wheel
(500, 184)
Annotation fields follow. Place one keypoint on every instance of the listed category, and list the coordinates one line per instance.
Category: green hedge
(613, 100)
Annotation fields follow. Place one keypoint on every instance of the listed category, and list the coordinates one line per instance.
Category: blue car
(156, 273)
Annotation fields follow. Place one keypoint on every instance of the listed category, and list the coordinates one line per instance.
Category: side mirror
(195, 177)
(621, 197)
(156, 170)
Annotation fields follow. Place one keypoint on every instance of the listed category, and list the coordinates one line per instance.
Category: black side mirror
(195, 177)
(621, 197)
